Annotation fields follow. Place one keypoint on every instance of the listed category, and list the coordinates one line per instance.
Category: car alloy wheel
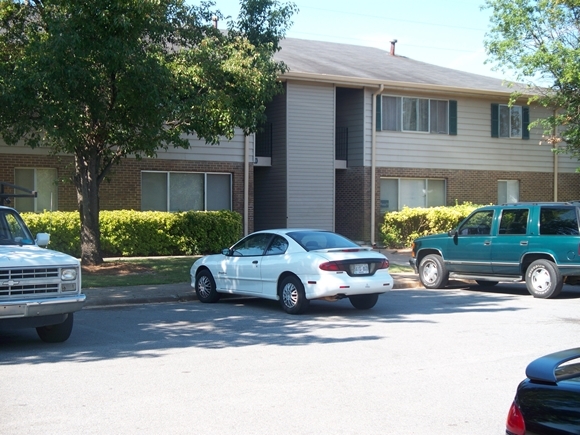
(292, 296)
(205, 287)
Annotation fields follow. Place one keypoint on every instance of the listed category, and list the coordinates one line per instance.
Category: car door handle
(487, 243)
(524, 243)
(255, 262)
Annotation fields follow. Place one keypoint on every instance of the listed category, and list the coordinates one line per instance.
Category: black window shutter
(453, 117)
(379, 112)
(495, 120)
(525, 122)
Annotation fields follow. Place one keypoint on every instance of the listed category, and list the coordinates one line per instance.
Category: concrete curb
(181, 292)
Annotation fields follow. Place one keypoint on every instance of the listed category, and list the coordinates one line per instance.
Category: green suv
(535, 242)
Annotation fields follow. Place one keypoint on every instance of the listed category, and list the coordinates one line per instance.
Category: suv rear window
(558, 221)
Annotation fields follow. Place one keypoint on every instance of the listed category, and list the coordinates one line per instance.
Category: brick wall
(353, 195)
(479, 187)
(122, 187)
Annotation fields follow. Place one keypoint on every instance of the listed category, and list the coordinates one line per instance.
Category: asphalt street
(421, 362)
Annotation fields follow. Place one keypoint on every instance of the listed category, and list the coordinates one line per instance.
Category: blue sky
(449, 33)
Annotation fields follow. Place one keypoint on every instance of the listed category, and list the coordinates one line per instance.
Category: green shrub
(129, 233)
(400, 228)
(63, 227)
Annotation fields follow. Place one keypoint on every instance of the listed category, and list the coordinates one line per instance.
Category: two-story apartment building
(357, 131)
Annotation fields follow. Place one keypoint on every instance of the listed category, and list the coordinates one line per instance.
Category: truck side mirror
(42, 239)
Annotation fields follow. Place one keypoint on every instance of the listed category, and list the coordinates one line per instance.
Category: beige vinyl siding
(226, 151)
(310, 158)
(270, 182)
(472, 149)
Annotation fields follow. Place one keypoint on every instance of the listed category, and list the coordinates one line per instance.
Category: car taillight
(332, 266)
(384, 265)
(515, 421)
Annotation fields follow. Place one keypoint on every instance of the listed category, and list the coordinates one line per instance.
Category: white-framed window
(184, 191)
(508, 191)
(510, 121)
(397, 193)
(42, 180)
(412, 114)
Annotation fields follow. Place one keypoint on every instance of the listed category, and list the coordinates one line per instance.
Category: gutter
(399, 86)
(246, 182)
(374, 162)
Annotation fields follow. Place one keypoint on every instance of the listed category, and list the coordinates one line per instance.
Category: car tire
(432, 272)
(205, 287)
(292, 295)
(364, 302)
(543, 279)
(56, 333)
(483, 283)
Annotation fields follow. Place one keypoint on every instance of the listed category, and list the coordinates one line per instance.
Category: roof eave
(389, 84)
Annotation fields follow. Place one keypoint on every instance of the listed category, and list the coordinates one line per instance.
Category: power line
(438, 24)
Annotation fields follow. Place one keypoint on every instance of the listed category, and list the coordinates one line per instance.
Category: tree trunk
(87, 186)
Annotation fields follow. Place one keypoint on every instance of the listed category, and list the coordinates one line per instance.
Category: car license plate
(360, 269)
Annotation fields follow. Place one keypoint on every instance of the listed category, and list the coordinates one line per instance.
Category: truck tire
(432, 272)
(543, 279)
(56, 333)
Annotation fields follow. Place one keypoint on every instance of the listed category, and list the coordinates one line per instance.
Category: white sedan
(294, 266)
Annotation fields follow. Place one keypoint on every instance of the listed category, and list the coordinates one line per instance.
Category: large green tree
(105, 79)
(539, 41)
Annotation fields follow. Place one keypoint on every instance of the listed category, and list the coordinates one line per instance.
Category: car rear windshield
(313, 240)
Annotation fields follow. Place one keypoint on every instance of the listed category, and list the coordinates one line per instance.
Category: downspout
(374, 162)
(246, 182)
(556, 166)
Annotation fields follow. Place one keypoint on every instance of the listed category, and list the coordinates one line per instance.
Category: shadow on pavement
(148, 331)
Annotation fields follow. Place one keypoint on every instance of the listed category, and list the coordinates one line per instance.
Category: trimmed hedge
(129, 233)
(400, 228)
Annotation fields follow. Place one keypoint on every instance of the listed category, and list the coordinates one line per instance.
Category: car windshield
(13, 230)
(313, 240)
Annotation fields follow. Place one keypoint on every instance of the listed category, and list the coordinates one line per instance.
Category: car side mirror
(227, 252)
(452, 233)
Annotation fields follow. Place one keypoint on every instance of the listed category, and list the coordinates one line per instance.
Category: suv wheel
(543, 279)
(432, 272)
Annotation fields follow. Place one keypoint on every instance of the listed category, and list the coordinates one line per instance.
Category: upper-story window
(510, 121)
(416, 115)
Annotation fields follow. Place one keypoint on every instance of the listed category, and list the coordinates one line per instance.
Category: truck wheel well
(530, 258)
(424, 252)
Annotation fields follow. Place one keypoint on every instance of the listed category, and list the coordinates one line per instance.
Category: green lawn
(141, 271)
(153, 271)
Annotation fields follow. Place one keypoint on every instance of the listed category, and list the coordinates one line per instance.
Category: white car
(294, 266)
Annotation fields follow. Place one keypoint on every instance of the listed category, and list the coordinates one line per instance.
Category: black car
(548, 401)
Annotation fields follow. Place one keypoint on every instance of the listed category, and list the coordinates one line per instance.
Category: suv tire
(432, 272)
(543, 279)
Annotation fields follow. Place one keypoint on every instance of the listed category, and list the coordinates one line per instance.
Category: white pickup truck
(39, 288)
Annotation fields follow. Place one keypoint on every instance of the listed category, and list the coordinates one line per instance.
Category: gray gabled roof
(359, 65)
